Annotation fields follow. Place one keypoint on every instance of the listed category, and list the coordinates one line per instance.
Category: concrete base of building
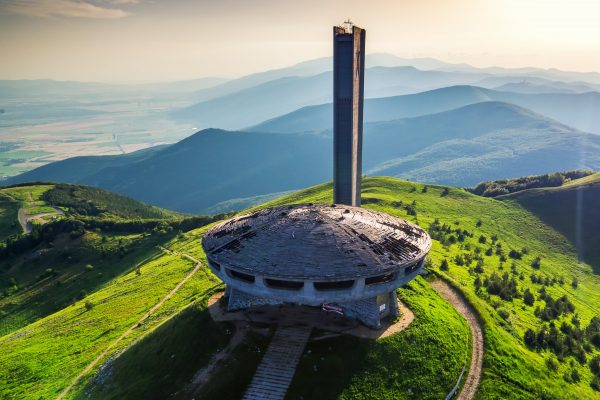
(239, 300)
(369, 311)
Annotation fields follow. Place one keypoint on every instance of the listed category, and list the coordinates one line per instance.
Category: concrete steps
(276, 370)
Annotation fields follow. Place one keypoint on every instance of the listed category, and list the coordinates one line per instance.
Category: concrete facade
(343, 258)
(348, 93)
(315, 254)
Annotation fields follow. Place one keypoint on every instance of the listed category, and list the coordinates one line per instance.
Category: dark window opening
(374, 280)
(335, 285)
(240, 276)
(280, 284)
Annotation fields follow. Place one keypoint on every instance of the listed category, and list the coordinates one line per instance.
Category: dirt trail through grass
(460, 304)
(91, 365)
(203, 376)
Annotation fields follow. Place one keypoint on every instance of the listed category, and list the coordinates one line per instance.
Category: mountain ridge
(215, 166)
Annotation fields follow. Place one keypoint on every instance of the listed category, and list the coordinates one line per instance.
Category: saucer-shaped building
(347, 259)
(341, 257)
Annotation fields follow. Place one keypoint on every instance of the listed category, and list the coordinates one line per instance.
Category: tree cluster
(568, 340)
(553, 308)
(506, 186)
(505, 286)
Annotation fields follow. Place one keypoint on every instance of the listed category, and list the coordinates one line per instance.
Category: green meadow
(63, 308)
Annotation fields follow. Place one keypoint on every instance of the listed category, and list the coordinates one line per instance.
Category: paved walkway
(464, 308)
(276, 370)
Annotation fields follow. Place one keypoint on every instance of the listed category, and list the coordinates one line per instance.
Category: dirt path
(91, 365)
(460, 304)
(203, 375)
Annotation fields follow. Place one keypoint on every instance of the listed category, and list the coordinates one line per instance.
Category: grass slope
(571, 209)
(9, 209)
(434, 348)
(41, 358)
(511, 370)
(87, 200)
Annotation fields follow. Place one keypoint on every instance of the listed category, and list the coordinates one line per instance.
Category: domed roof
(316, 241)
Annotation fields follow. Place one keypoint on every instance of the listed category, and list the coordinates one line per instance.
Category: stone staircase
(276, 370)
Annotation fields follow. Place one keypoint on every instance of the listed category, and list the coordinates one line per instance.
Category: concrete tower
(348, 93)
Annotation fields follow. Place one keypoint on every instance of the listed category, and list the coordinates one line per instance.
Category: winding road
(466, 310)
(25, 219)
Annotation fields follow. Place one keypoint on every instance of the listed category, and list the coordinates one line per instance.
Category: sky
(162, 40)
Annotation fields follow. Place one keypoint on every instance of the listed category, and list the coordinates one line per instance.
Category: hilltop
(92, 307)
(571, 209)
(210, 168)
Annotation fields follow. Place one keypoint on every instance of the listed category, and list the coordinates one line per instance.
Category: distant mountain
(39, 88)
(308, 68)
(484, 141)
(270, 99)
(571, 209)
(532, 88)
(580, 110)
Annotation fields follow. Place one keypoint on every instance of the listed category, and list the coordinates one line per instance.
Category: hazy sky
(142, 40)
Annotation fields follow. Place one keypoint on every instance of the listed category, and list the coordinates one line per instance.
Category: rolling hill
(580, 110)
(275, 97)
(571, 209)
(56, 323)
(214, 166)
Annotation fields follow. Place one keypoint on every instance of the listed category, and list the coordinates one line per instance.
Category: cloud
(63, 8)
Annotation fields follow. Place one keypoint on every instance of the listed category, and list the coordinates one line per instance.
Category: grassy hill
(100, 236)
(213, 166)
(87, 200)
(571, 209)
(511, 369)
(179, 338)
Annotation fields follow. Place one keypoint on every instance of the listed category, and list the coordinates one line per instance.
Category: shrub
(503, 313)
(479, 266)
(88, 305)
(595, 365)
(528, 297)
(530, 338)
(575, 375)
(445, 192)
(505, 286)
(574, 283)
(89, 267)
(595, 383)
(482, 239)
(444, 265)
(514, 254)
(552, 363)
(536, 263)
